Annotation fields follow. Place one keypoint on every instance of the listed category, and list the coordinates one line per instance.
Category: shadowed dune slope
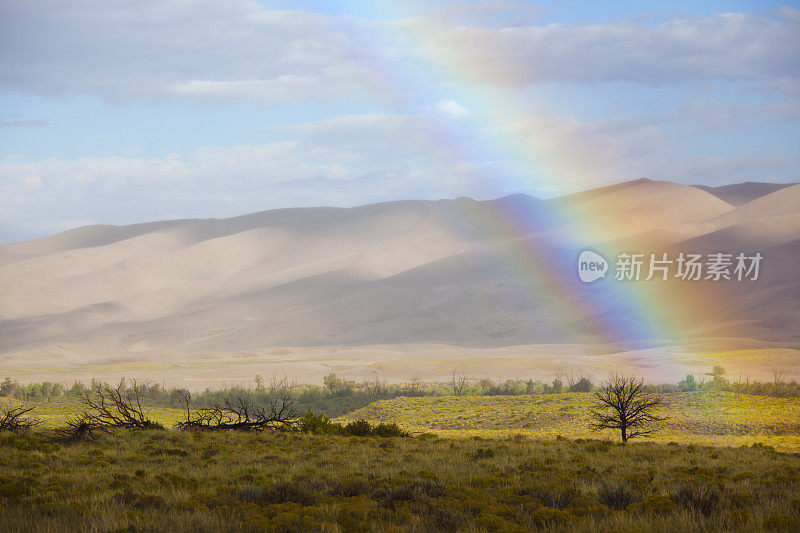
(457, 272)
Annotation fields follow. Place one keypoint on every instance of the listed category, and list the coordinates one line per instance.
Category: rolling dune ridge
(410, 276)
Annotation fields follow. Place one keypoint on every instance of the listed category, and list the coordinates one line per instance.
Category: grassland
(478, 463)
(714, 418)
(55, 413)
(185, 481)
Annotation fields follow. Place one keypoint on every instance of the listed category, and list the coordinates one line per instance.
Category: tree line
(338, 396)
(625, 404)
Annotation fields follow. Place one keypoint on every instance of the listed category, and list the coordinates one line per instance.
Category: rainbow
(627, 315)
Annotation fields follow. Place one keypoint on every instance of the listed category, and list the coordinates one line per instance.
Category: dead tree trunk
(243, 414)
(623, 403)
(116, 407)
(15, 419)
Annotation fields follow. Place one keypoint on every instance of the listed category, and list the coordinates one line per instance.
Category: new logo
(591, 266)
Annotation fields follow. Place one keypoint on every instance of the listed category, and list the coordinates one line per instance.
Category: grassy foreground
(185, 481)
(495, 463)
(714, 418)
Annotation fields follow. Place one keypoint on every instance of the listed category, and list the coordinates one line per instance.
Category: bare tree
(624, 403)
(582, 384)
(415, 386)
(15, 419)
(242, 413)
(376, 388)
(77, 430)
(459, 382)
(118, 407)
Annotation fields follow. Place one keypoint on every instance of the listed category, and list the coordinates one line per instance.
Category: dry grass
(179, 481)
(706, 418)
(517, 476)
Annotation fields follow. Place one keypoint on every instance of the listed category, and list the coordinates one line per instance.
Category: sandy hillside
(740, 193)
(473, 277)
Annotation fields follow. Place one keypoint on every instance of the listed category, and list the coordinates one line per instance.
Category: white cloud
(502, 13)
(240, 51)
(346, 160)
(33, 181)
(451, 108)
(732, 46)
(202, 49)
(243, 52)
(574, 155)
(355, 159)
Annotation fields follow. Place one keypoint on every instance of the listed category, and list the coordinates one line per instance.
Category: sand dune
(741, 193)
(460, 273)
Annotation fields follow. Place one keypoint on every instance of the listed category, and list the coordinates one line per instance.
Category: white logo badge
(591, 266)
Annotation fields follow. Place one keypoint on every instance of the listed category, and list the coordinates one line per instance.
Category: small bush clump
(484, 453)
(782, 522)
(546, 517)
(319, 424)
(557, 496)
(704, 500)
(655, 505)
(617, 497)
(358, 428)
(586, 506)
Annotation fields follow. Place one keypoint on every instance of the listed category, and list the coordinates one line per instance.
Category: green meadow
(481, 462)
(164, 480)
(713, 418)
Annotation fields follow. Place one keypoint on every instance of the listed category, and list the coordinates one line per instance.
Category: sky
(117, 112)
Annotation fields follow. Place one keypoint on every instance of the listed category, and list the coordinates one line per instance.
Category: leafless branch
(623, 403)
(242, 414)
(15, 419)
(77, 430)
(459, 382)
(118, 407)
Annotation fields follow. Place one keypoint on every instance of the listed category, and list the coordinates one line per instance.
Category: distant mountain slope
(740, 193)
(454, 272)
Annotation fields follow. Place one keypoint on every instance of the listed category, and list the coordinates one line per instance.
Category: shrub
(553, 496)
(586, 506)
(358, 428)
(598, 446)
(735, 519)
(389, 430)
(421, 491)
(781, 522)
(447, 519)
(319, 424)
(492, 522)
(484, 453)
(250, 493)
(658, 505)
(688, 384)
(299, 490)
(349, 486)
(741, 500)
(616, 497)
(582, 385)
(705, 500)
(14, 488)
(140, 500)
(546, 517)
(322, 425)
